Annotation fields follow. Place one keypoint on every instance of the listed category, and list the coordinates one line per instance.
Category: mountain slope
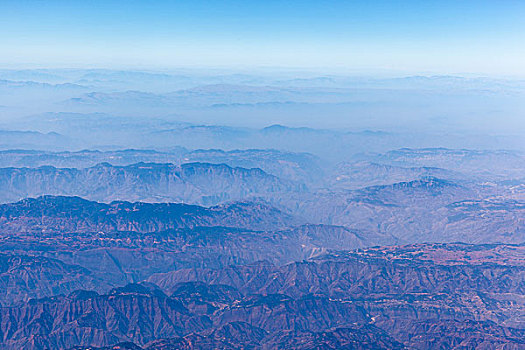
(376, 298)
(54, 214)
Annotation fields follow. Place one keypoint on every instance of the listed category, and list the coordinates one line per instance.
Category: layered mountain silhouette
(197, 183)
(122, 254)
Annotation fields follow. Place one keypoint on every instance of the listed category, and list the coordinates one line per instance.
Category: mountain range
(197, 183)
(405, 297)
(259, 210)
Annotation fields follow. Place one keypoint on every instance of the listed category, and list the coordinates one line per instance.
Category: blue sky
(426, 36)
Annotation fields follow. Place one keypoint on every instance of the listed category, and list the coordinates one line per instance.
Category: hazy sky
(458, 36)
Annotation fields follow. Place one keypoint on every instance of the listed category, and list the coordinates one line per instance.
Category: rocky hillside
(124, 242)
(378, 298)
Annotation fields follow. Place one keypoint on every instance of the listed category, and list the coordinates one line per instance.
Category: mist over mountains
(204, 110)
(214, 209)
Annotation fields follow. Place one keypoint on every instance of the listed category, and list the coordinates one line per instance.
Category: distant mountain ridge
(196, 183)
(353, 175)
(299, 167)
